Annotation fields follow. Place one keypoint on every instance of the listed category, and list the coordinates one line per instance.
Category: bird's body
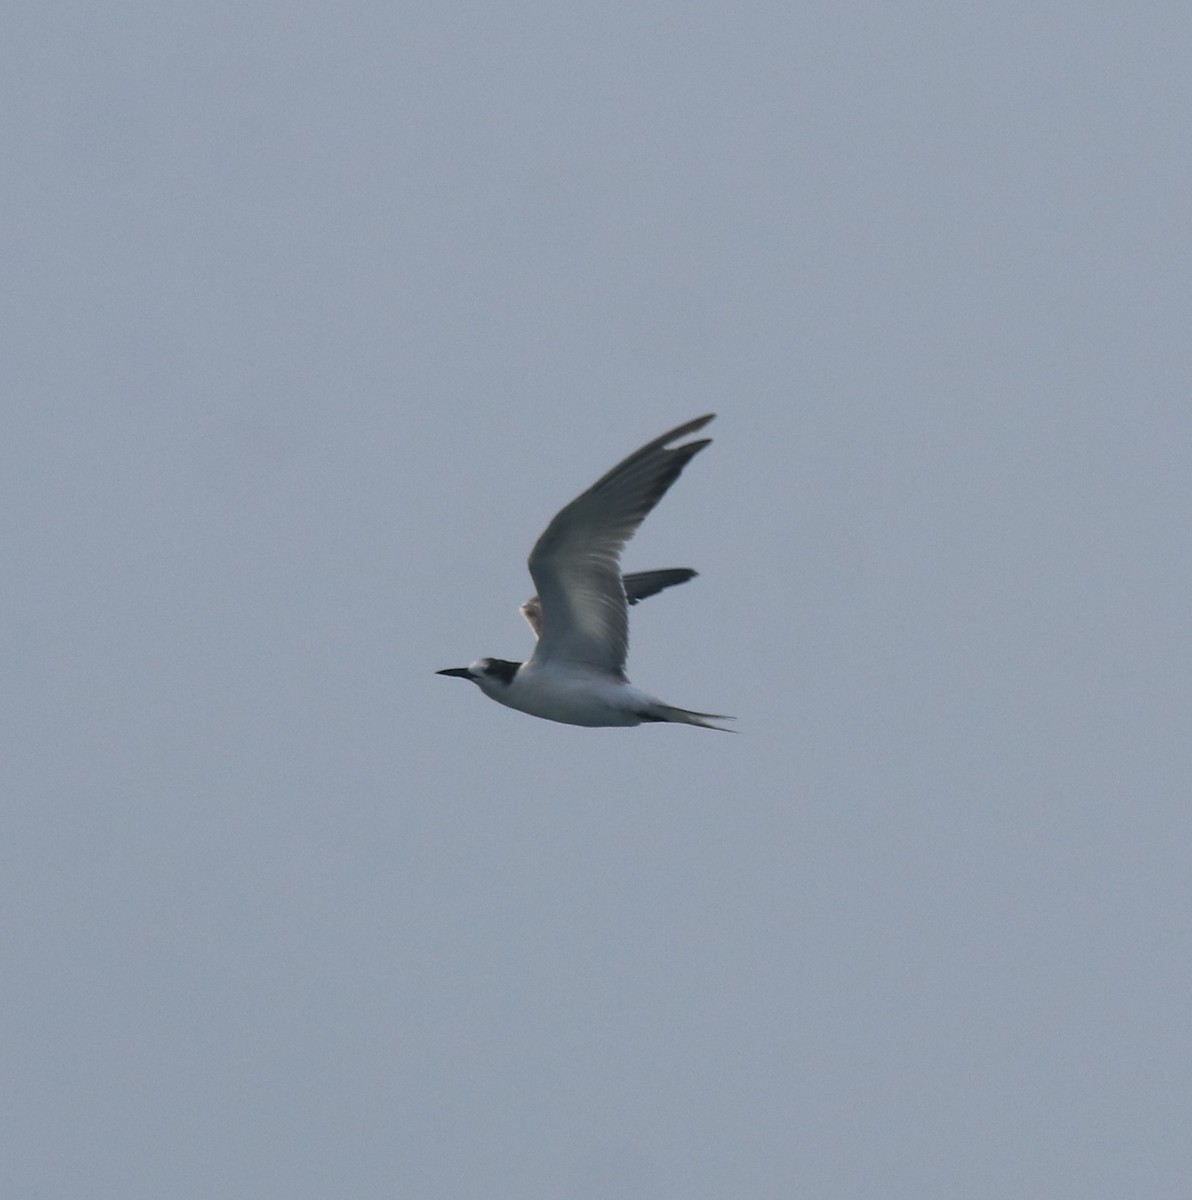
(573, 693)
(576, 674)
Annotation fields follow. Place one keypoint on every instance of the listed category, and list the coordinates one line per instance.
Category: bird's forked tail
(684, 716)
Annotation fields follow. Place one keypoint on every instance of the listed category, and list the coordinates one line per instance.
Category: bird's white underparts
(580, 615)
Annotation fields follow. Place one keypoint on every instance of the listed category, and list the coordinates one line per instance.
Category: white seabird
(576, 674)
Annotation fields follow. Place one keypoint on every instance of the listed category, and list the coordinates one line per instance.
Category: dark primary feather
(643, 584)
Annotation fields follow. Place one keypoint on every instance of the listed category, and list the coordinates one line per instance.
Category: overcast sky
(313, 315)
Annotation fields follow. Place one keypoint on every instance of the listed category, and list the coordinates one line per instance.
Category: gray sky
(313, 316)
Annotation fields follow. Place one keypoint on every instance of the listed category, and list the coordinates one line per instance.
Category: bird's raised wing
(576, 563)
(639, 586)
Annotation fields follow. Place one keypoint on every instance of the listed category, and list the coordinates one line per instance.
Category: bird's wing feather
(644, 584)
(639, 586)
(532, 611)
(576, 563)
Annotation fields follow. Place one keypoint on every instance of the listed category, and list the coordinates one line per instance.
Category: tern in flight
(576, 674)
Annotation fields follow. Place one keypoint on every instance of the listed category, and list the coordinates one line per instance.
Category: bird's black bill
(460, 672)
